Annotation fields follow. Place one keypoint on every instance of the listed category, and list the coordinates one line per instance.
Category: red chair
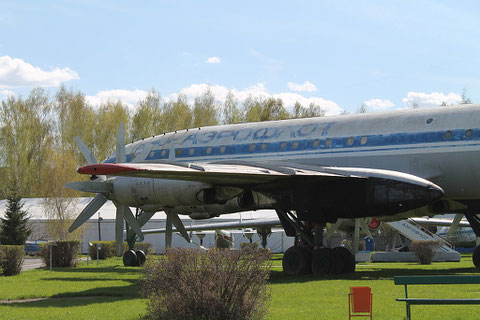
(360, 302)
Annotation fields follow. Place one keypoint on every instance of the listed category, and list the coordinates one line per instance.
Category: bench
(430, 280)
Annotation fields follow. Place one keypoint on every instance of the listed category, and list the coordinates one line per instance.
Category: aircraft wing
(247, 173)
(370, 192)
(251, 223)
(275, 222)
(439, 222)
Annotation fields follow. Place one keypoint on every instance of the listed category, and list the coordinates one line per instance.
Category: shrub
(424, 250)
(64, 254)
(216, 284)
(146, 247)
(244, 245)
(11, 259)
(108, 249)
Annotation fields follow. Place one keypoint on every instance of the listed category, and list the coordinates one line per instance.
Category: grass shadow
(279, 277)
(109, 269)
(65, 302)
(84, 298)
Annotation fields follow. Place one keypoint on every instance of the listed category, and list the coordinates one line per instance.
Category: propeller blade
(89, 211)
(132, 222)
(119, 231)
(175, 219)
(144, 217)
(87, 154)
(455, 223)
(121, 156)
(168, 231)
(90, 186)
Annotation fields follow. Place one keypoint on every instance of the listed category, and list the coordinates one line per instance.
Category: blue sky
(339, 54)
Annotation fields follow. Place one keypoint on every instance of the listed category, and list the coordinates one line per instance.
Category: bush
(108, 249)
(215, 284)
(245, 245)
(64, 254)
(11, 259)
(146, 247)
(424, 250)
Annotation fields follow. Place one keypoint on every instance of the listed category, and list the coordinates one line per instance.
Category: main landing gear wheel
(348, 259)
(141, 257)
(297, 261)
(326, 261)
(476, 257)
(130, 259)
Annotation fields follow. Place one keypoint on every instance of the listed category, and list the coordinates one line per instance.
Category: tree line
(37, 132)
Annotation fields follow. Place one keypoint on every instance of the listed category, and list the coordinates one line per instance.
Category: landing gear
(476, 257)
(326, 261)
(130, 259)
(297, 261)
(308, 255)
(474, 221)
(348, 259)
(321, 262)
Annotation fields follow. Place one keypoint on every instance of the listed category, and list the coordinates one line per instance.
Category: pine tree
(14, 229)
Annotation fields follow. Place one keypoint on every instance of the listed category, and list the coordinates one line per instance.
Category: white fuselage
(438, 144)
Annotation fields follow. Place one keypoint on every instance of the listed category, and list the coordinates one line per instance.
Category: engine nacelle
(139, 192)
(248, 200)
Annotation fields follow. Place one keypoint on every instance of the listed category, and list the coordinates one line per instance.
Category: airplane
(313, 171)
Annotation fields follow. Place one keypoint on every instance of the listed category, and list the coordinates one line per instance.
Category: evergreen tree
(13, 228)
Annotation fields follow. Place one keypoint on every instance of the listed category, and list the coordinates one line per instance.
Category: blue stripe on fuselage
(321, 144)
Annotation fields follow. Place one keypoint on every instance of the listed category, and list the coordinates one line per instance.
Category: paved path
(32, 263)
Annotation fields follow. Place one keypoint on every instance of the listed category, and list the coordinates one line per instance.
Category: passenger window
(179, 152)
(252, 147)
(316, 143)
(448, 135)
(364, 140)
(468, 133)
(295, 145)
(209, 150)
(264, 147)
(192, 151)
(222, 149)
(283, 145)
(328, 143)
(350, 141)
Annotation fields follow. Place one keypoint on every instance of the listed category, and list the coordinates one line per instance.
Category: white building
(277, 242)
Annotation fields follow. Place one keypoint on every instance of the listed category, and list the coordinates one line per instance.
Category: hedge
(64, 253)
(107, 249)
(11, 259)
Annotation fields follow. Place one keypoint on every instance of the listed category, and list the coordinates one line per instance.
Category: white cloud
(258, 90)
(131, 97)
(16, 73)
(433, 99)
(213, 60)
(307, 86)
(7, 93)
(379, 104)
(128, 97)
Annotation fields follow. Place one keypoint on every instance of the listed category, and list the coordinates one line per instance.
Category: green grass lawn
(109, 291)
